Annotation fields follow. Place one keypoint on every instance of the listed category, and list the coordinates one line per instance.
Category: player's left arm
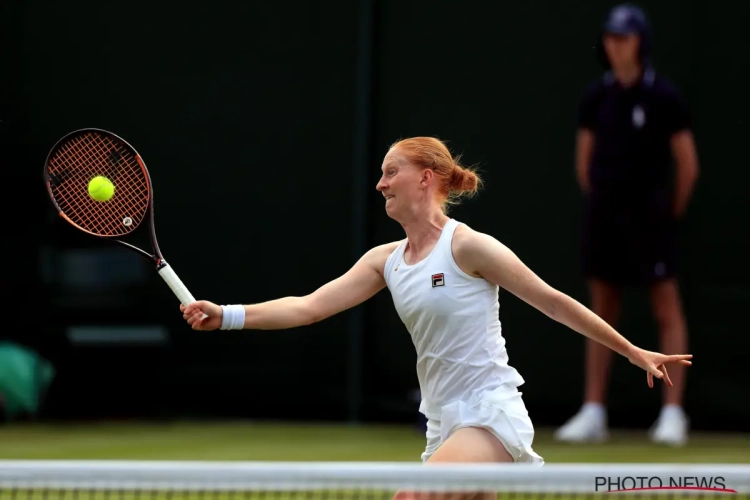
(484, 256)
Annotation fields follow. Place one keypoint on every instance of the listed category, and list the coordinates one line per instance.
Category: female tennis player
(444, 280)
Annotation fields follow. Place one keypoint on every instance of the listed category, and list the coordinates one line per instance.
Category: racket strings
(84, 157)
(72, 153)
(90, 211)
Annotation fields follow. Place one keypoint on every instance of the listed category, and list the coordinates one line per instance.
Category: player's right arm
(361, 282)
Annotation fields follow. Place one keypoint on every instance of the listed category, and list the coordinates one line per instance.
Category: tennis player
(444, 280)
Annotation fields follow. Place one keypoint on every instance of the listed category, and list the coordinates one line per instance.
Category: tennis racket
(87, 153)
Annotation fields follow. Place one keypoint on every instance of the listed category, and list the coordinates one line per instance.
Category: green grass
(262, 441)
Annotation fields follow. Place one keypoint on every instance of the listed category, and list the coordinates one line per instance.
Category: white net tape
(565, 479)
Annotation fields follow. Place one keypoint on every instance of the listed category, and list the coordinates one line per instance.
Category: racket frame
(157, 259)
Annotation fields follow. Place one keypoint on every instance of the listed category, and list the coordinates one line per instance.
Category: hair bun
(463, 180)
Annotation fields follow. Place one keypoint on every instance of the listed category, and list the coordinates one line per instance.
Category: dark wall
(247, 116)
(243, 115)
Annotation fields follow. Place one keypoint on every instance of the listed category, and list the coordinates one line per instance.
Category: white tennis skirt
(501, 411)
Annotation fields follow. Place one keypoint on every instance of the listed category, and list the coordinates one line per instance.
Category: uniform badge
(639, 117)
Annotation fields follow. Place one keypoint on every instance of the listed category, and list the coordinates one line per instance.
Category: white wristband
(233, 317)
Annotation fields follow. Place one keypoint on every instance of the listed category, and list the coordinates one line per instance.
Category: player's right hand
(192, 313)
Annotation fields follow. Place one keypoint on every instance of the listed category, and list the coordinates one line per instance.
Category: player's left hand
(655, 363)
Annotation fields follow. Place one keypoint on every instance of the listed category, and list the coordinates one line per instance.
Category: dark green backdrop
(264, 127)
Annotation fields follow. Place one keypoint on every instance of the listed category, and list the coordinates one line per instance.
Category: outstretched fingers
(668, 380)
(683, 359)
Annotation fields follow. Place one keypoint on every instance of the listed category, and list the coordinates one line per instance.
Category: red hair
(456, 180)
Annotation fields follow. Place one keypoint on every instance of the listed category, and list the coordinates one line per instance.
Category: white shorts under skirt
(500, 411)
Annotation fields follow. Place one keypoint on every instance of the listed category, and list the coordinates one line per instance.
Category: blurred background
(268, 122)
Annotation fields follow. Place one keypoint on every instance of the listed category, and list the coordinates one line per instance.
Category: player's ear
(427, 176)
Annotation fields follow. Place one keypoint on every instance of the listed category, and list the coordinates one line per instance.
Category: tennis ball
(101, 188)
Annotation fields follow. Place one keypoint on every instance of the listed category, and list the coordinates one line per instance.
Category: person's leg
(467, 444)
(590, 423)
(605, 303)
(434, 442)
(493, 427)
(606, 264)
(471, 444)
(660, 269)
(672, 425)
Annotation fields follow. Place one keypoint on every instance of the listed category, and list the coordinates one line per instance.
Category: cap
(625, 20)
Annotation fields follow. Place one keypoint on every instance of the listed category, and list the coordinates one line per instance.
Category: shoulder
(464, 238)
(377, 256)
(467, 240)
(472, 249)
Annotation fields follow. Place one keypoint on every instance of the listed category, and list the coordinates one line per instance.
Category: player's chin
(390, 208)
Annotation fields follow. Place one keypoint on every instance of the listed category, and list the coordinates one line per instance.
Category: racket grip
(177, 286)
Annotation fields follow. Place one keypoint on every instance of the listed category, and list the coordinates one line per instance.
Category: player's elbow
(554, 303)
(309, 312)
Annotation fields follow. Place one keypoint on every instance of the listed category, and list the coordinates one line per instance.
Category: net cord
(305, 476)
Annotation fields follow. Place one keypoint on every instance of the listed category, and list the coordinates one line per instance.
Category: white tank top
(453, 321)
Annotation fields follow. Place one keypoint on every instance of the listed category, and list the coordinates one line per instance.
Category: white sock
(596, 410)
(668, 411)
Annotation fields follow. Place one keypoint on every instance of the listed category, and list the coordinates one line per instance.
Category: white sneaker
(586, 426)
(671, 428)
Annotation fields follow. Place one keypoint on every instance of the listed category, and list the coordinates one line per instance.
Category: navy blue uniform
(630, 232)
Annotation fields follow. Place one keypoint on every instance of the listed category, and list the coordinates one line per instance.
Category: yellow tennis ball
(101, 188)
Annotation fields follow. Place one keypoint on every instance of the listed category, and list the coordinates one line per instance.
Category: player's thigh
(471, 444)
(467, 444)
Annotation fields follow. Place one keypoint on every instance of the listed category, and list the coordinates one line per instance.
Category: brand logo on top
(438, 280)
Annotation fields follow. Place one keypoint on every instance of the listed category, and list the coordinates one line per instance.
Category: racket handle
(177, 286)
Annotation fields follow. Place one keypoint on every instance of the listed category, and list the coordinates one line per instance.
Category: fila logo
(438, 280)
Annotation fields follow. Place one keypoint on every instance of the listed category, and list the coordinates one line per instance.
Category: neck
(628, 75)
(423, 232)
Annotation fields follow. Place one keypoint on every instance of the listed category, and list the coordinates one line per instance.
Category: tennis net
(143, 480)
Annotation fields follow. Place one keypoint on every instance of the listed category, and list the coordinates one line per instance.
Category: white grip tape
(177, 286)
